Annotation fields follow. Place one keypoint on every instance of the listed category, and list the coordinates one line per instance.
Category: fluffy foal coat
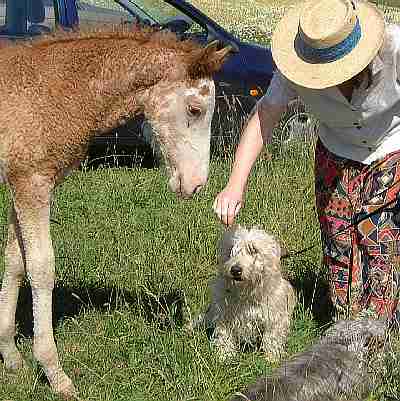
(336, 368)
(58, 92)
(251, 303)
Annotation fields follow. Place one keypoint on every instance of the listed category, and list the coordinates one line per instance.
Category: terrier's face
(249, 256)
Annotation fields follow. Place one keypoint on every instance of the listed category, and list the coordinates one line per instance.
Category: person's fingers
(229, 212)
(226, 209)
(223, 210)
(220, 207)
(233, 212)
(237, 208)
(225, 215)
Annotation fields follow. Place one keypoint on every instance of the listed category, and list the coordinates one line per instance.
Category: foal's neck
(107, 78)
(126, 74)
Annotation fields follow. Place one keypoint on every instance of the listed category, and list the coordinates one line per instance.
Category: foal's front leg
(34, 218)
(13, 275)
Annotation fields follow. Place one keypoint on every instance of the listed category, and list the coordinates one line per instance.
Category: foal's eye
(194, 111)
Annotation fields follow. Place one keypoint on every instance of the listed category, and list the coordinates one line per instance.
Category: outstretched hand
(227, 205)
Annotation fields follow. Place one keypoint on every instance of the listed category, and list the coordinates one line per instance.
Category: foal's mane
(146, 35)
(201, 61)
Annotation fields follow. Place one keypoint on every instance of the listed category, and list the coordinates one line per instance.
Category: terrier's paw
(225, 349)
(193, 324)
(226, 355)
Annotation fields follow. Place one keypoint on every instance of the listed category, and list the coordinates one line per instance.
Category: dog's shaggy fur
(336, 368)
(251, 302)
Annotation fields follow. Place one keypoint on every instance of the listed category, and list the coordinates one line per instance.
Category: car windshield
(152, 12)
(158, 11)
(252, 27)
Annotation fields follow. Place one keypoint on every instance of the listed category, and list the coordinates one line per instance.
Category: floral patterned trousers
(362, 256)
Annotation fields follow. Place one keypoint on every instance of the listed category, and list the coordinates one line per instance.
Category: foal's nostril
(236, 271)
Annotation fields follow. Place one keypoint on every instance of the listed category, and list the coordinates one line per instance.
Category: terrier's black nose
(236, 271)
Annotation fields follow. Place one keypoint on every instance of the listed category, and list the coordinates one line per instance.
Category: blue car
(242, 81)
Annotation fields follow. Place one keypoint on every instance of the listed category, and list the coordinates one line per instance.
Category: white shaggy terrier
(251, 302)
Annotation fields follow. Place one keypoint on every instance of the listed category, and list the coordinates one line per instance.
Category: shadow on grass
(165, 310)
(313, 292)
(121, 156)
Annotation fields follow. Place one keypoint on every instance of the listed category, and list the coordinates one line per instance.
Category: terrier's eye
(251, 249)
(194, 111)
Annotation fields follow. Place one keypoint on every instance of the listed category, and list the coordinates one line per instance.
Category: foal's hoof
(69, 394)
(66, 390)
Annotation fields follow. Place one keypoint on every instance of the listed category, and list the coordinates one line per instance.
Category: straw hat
(323, 43)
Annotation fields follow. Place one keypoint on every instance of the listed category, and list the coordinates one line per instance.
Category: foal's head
(180, 111)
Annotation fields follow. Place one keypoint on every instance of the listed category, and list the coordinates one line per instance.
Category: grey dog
(335, 368)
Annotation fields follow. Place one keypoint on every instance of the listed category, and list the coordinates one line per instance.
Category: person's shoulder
(281, 78)
(280, 90)
(391, 43)
(392, 36)
(392, 28)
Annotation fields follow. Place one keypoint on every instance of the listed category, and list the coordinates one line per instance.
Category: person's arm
(256, 134)
(397, 36)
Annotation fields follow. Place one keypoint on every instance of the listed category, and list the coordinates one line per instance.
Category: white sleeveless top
(368, 127)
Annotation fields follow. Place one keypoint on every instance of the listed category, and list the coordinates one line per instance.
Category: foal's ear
(206, 61)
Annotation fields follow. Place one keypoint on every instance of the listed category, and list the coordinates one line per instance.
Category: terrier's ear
(208, 60)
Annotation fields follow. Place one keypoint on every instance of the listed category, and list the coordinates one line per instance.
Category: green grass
(135, 258)
(133, 263)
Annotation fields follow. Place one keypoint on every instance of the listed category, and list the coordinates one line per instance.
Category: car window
(159, 12)
(240, 21)
(94, 12)
(32, 17)
(2, 12)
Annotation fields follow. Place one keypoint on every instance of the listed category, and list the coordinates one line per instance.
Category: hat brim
(320, 76)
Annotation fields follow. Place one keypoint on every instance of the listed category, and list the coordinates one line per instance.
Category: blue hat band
(327, 55)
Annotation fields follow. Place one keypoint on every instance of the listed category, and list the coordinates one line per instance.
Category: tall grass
(133, 264)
